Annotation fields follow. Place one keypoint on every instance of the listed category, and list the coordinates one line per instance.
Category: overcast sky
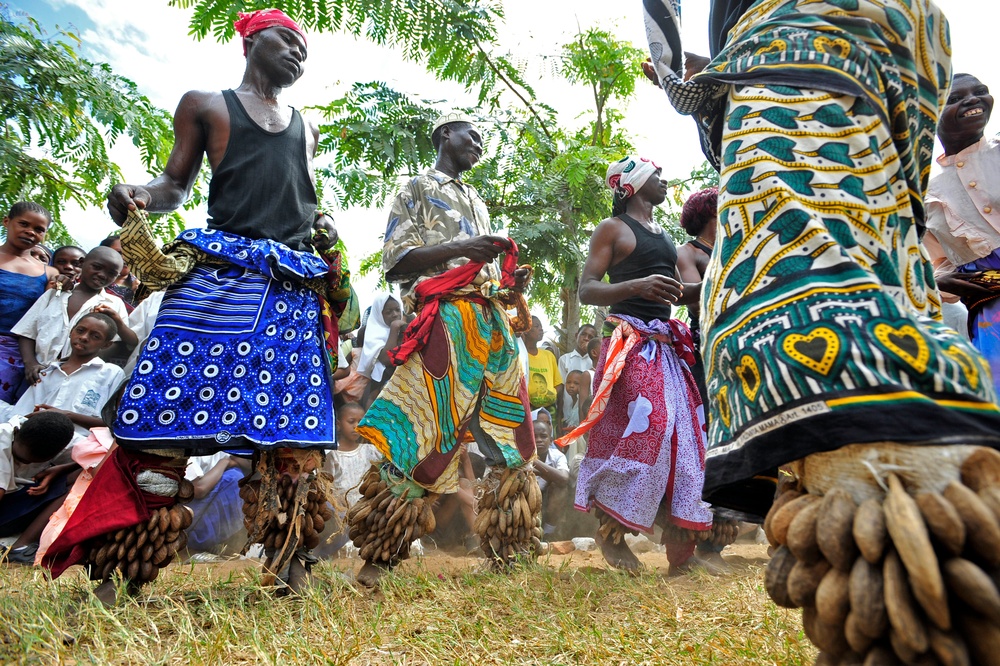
(147, 41)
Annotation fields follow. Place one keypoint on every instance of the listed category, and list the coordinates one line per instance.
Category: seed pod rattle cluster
(317, 512)
(899, 579)
(382, 524)
(509, 514)
(139, 552)
(722, 533)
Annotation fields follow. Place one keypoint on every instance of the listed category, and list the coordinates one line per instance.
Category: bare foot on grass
(299, 576)
(107, 593)
(696, 563)
(619, 555)
(710, 559)
(370, 573)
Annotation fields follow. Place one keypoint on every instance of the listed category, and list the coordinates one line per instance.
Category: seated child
(348, 463)
(552, 472)
(32, 483)
(80, 385)
(217, 507)
(43, 331)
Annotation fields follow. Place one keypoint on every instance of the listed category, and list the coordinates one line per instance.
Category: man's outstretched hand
(125, 198)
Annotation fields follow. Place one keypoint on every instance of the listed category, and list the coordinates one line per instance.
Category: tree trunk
(571, 309)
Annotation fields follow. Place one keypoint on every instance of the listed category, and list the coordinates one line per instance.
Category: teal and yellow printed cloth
(820, 316)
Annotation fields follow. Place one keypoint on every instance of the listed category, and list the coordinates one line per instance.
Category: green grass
(433, 611)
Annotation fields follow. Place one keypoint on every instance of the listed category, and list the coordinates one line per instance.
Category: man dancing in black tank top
(246, 339)
(646, 449)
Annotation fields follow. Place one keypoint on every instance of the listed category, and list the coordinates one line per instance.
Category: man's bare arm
(169, 190)
(420, 259)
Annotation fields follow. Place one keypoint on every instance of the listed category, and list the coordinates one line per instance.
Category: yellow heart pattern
(837, 47)
(906, 343)
(966, 363)
(777, 46)
(723, 394)
(817, 351)
(749, 375)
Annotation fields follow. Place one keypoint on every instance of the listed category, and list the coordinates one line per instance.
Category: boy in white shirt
(32, 485)
(79, 385)
(43, 331)
(348, 463)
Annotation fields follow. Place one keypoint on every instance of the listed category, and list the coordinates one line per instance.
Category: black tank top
(262, 188)
(654, 254)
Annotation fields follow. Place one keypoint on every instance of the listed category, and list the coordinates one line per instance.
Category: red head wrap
(262, 19)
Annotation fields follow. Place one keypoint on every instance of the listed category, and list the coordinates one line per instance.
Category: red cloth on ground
(432, 291)
(112, 502)
(248, 24)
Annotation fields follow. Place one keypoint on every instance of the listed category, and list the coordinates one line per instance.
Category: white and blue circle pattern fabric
(228, 365)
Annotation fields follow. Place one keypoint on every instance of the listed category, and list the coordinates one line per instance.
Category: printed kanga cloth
(820, 318)
(459, 377)
(239, 355)
(646, 441)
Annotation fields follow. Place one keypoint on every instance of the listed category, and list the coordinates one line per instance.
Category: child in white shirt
(79, 385)
(43, 331)
(32, 484)
(347, 464)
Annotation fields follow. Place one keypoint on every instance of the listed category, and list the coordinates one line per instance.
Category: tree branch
(511, 87)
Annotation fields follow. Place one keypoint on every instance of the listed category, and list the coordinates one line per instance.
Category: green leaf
(898, 21)
(779, 147)
(832, 115)
(841, 232)
(790, 224)
(839, 153)
(742, 275)
(740, 182)
(798, 180)
(729, 157)
(887, 270)
(735, 119)
(780, 116)
(791, 266)
(854, 186)
(729, 247)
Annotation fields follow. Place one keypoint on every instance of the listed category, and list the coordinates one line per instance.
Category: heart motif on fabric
(965, 362)
(838, 47)
(816, 350)
(777, 46)
(638, 416)
(906, 343)
(724, 413)
(749, 375)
